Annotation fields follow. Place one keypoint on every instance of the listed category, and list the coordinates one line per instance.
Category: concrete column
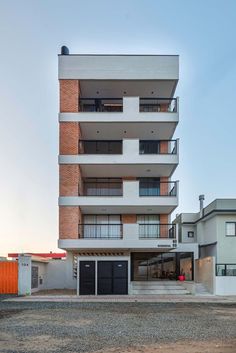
(24, 275)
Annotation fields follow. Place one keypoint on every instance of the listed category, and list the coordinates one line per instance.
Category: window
(149, 186)
(149, 226)
(230, 229)
(190, 234)
(102, 226)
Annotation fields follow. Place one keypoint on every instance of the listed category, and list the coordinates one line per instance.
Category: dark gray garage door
(112, 277)
(87, 277)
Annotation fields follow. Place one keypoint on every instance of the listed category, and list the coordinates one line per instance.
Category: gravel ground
(116, 327)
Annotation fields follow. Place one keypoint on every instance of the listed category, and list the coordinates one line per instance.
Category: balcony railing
(153, 231)
(101, 231)
(225, 269)
(102, 188)
(156, 188)
(101, 105)
(158, 105)
(158, 147)
(100, 146)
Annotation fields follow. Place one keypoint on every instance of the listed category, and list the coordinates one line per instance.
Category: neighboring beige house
(213, 228)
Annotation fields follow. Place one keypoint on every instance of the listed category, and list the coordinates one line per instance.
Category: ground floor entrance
(106, 274)
(147, 266)
(103, 277)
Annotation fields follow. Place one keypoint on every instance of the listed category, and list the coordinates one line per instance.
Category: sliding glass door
(102, 226)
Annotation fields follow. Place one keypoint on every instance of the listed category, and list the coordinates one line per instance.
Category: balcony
(114, 187)
(149, 187)
(102, 187)
(132, 117)
(134, 198)
(103, 158)
(122, 236)
(154, 231)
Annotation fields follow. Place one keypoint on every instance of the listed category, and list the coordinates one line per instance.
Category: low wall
(205, 273)
(225, 285)
(59, 275)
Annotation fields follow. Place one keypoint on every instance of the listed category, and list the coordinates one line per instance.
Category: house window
(230, 229)
(190, 234)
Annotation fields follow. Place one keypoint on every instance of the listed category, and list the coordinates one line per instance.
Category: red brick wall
(164, 147)
(164, 186)
(129, 218)
(164, 229)
(70, 180)
(69, 218)
(164, 108)
(69, 96)
(69, 137)
(129, 178)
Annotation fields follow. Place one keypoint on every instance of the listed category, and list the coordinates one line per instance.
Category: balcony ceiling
(121, 170)
(130, 88)
(154, 209)
(136, 130)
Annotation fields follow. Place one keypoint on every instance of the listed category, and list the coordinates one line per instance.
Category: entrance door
(87, 277)
(112, 277)
(34, 277)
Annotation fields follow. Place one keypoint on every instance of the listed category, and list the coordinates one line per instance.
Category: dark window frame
(192, 234)
(230, 235)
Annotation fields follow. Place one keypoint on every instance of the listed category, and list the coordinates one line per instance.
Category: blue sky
(31, 32)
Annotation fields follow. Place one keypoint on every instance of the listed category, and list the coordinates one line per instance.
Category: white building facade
(118, 115)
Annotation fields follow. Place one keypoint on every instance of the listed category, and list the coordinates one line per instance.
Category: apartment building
(118, 115)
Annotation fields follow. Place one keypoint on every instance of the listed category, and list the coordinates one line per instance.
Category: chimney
(201, 199)
(64, 50)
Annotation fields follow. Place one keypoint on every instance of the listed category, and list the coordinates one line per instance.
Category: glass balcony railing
(158, 105)
(100, 231)
(108, 105)
(154, 187)
(101, 187)
(158, 230)
(101, 105)
(158, 147)
(100, 146)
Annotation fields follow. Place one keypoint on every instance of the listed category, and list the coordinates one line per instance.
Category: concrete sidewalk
(126, 299)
